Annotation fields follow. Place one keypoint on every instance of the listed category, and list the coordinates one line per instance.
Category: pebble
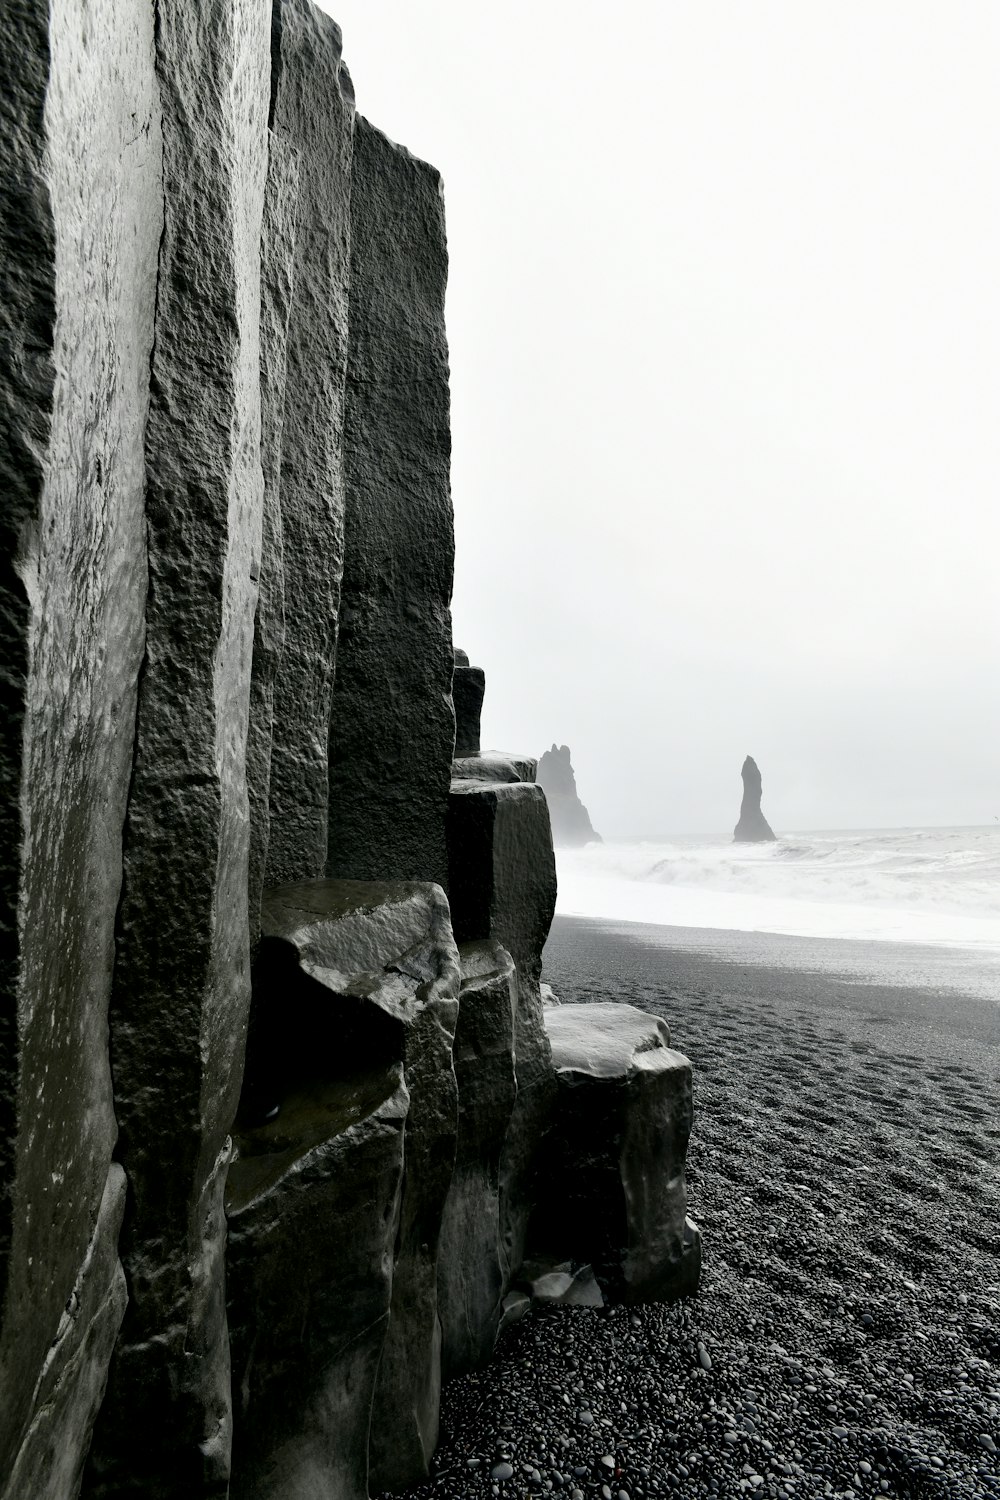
(502, 1471)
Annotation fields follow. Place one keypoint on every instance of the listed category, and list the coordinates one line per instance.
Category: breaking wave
(934, 885)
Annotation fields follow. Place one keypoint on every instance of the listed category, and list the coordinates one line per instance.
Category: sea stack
(571, 826)
(753, 827)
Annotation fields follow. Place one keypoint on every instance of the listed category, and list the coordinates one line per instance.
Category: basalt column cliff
(285, 1126)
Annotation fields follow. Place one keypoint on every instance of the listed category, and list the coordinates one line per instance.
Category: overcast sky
(724, 318)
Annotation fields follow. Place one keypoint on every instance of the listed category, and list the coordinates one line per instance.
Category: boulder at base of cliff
(611, 1187)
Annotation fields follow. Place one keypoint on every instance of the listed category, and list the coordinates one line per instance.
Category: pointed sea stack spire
(753, 827)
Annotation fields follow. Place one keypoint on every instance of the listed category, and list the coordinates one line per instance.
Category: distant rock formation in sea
(571, 824)
(753, 827)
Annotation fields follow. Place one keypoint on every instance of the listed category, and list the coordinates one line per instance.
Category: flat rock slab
(611, 1177)
(493, 765)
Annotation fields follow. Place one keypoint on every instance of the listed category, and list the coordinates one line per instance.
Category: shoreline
(845, 1340)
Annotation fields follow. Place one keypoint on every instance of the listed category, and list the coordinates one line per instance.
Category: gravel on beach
(845, 1171)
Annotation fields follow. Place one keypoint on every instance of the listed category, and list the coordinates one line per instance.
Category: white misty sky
(724, 318)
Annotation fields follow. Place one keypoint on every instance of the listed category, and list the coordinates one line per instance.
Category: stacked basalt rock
(278, 1096)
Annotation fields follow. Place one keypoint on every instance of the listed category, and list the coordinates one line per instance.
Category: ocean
(911, 906)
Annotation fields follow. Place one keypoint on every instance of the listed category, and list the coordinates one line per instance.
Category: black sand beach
(845, 1172)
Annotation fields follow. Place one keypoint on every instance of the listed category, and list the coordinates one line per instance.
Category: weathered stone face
(181, 988)
(192, 431)
(502, 886)
(365, 976)
(312, 115)
(571, 825)
(611, 1174)
(392, 730)
(470, 1268)
(80, 218)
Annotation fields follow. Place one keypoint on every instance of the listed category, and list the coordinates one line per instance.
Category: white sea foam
(935, 885)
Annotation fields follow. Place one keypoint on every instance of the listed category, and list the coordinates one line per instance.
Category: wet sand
(845, 1172)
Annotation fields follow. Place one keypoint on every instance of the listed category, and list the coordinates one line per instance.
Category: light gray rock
(502, 885)
(753, 827)
(570, 1288)
(612, 1163)
(392, 729)
(358, 969)
(181, 984)
(470, 1272)
(50, 1461)
(493, 765)
(571, 825)
(313, 1204)
(515, 1306)
(312, 114)
(277, 278)
(468, 689)
(80, 218)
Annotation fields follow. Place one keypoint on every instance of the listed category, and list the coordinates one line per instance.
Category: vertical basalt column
(392, 730)
(277, 278)
(80, 219)
(181, 985)
(312, 111)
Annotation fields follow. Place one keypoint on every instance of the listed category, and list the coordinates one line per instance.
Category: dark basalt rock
(470, 1273)
(313, 1206)
(393, 725)
(222, 363)
(182, 983)
(468, 690)
(80, 218)
(571, 824)
(312, 113)
(611, 1177)
(277, 275)
(494, 765)
(753, 827)
(502, 885)
(370, 972)
(502, 873)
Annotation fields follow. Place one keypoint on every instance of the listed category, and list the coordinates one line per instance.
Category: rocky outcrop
(182, 982)
(611, 1178)
(468, 690)
(80, 222)
(393, 724)
(753, 827)
(571, 826)
(471, 1272)
(312, 117)
(270, 1140)
(359, 983)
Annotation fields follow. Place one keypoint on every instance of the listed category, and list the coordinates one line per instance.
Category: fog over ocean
(904, 905)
